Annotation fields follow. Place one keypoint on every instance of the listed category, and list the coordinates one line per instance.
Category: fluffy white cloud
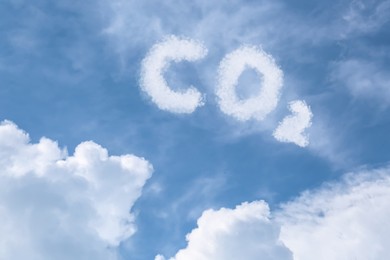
(341, 220)
(291, 128)
(55, 206)
(246, 232)
(157, 62)
(230, 69)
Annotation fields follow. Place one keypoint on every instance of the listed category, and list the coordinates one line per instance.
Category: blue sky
(73, 72)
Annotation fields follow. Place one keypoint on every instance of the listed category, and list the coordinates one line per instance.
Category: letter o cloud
(230, 69)
(157, 62)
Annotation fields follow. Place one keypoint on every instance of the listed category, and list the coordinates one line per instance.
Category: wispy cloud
(365, 79)
(366, 16)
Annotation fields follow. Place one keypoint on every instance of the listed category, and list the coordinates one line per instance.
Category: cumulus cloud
(157, 62)
(230, 69)
(159, 257)
(347, 219)
(291, 128)
(55, 206)
(245, 232)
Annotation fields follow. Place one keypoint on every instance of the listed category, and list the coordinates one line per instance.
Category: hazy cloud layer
(363, 78)
(291, 128)
(55, 206)
(366, 16)
(157, 62)
(230, 69)
(341, 220)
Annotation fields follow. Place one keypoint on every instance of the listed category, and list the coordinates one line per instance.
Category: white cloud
(230, 69)
(245, 232)
(55, 206)
(159, 257)
(347, 219)
(291, 128)
(157, 62)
